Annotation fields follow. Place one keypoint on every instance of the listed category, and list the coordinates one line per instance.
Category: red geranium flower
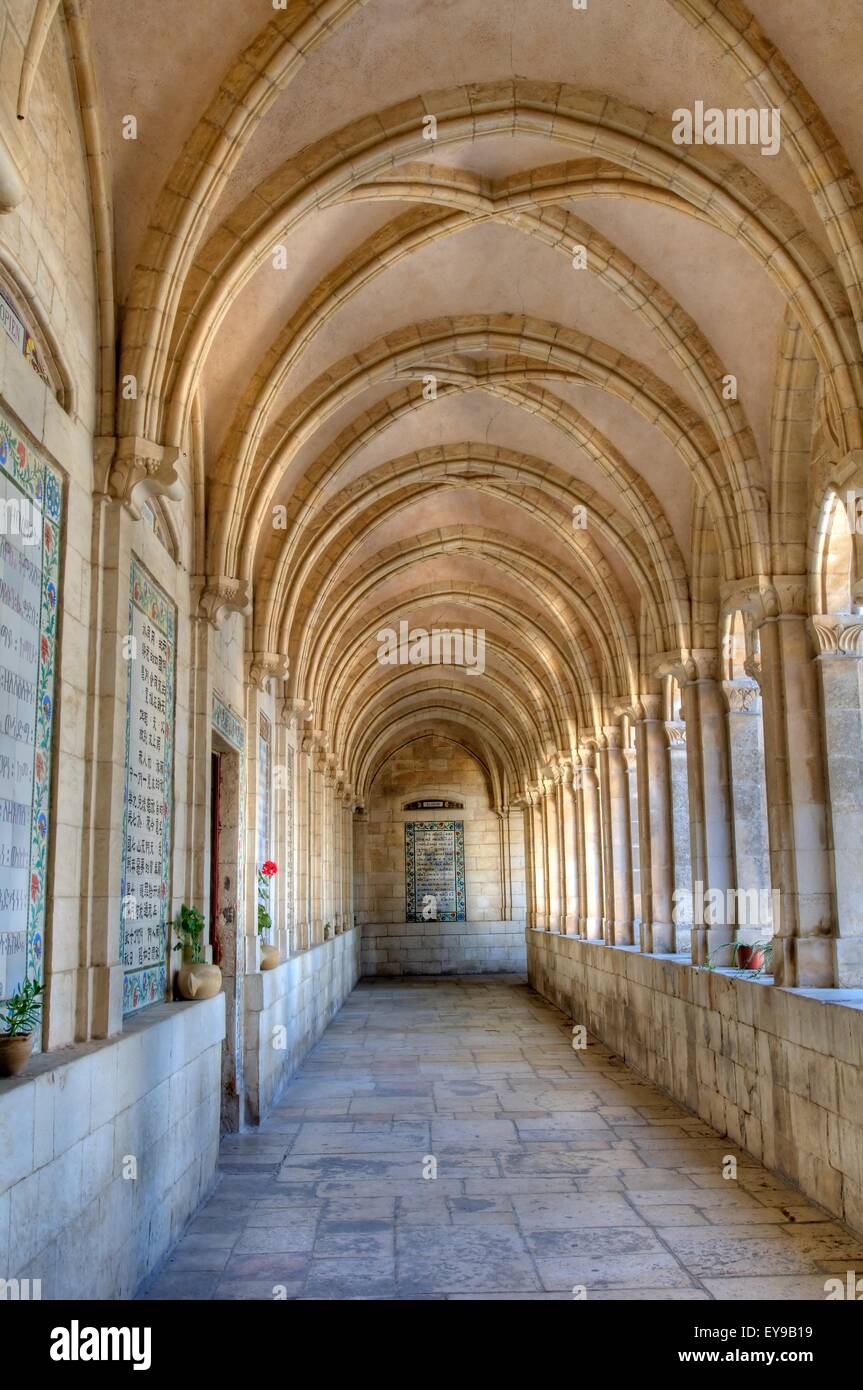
(268, 868)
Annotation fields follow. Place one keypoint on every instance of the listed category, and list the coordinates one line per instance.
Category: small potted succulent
(196, 978)
(19, 1022)
(328, 931)
(269, 952)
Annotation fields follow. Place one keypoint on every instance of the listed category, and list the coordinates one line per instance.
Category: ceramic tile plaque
(31, 496)
(434, 871)
(148, 803)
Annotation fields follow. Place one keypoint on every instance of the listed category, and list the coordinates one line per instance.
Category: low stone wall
(107, 1150)
(287, 1010)
(443, 948)
(778, 1070)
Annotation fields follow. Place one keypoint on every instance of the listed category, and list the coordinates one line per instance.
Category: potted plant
(19, 1022)
(269, 951)
(196, 978)
(747, 957)
(327, 931)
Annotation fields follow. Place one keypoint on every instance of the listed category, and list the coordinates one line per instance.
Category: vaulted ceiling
(390, 337)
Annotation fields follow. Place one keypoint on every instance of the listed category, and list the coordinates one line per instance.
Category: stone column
(749, 807)
(635, 859)
(605, 841)
(839, 644)
(530, 895)
(710, 827)
(654, 829)
(804, 947)
(675, 732)
(361, 864)
(618, 898)
(540, 911)
(592, 845)
(570, 847)
(552, 838)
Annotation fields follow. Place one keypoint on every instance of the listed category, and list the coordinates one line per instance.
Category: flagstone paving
(557, 1172)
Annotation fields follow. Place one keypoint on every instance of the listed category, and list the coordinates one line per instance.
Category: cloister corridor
(560, 1174)
(431, 666)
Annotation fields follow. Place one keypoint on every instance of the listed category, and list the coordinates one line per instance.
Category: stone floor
(556, 1171)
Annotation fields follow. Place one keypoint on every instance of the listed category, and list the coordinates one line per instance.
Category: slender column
(605, 841)
(710, 827)
(839, 643)
(635, 858)
(529, 878)
(654, 829)
(552, 839)
(570, 847)
(675, 732)
(749, 806)
(797, 800)
(620, 912)
(592, 845)
(361, 865)
(540, 911)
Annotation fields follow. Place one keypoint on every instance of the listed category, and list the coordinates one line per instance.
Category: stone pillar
(749, 808)
(675, 732)
(361, 864)
(654, 829)
(570, 847)
(839, 644)
(552, 838)
(797, 801)
(618, 896)
(710, 828)
(540, 912)
(530, 896)
(592, 928)
(303, 853)
(605, 841)
(635, 858)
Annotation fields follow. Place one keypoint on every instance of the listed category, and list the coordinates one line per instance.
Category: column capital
(648, 709)
(768, 597)
(689, 664)
(223, 594)
(142, 469)
(742, 695)
(837, 635)
(266, 666)
(675, 732)
(296, 712)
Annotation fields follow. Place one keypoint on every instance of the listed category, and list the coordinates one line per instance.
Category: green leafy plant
(267, 870)
(190, 925)
(22, 1009)
(764, 949)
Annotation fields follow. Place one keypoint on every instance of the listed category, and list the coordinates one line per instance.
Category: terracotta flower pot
(198, 980)
(750, 958)
(15, 1049)
(269, 956)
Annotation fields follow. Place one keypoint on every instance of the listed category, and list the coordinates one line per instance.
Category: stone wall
(443, 948)
(430, 767)
(300, 997)
(74, 1125)
(778, 1070)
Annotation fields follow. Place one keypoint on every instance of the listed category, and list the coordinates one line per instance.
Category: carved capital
(689, 664)
(143, 469)
(675, 732)
(743, 696)
(225, 595)
(296, 712)
(267, 666)
(837, 635)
